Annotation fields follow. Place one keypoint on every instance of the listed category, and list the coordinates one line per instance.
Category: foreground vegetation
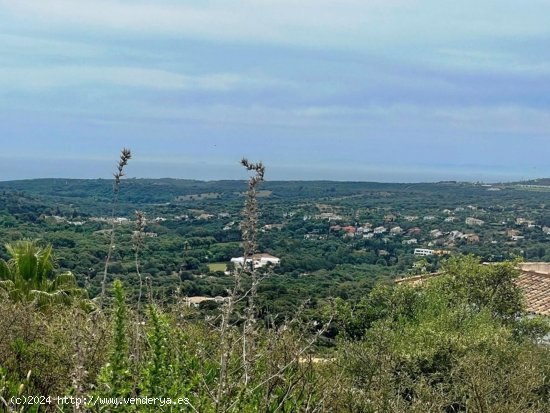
(460, 343)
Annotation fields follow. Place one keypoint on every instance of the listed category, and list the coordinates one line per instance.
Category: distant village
(421, 233)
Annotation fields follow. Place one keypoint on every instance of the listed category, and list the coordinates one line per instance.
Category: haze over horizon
(389, 91)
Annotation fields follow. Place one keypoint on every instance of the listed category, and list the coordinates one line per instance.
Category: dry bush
(62, 347)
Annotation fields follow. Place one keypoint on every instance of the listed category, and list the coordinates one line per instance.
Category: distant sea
(21, 168)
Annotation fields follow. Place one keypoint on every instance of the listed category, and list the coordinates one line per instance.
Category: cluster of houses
(426, 252)
(433, 241)
(198, 215)
(433, 236)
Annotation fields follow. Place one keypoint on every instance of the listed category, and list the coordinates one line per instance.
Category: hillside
(196, 230)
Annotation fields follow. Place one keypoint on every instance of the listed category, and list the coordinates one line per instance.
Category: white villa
(197, 300)
(259, 260)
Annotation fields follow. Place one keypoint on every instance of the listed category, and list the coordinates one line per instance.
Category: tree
(458, 342)
(482, 286)
(29, 276)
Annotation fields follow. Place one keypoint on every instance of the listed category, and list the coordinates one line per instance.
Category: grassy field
(217, 266)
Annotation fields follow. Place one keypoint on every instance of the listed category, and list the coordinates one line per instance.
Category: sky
(362, 90)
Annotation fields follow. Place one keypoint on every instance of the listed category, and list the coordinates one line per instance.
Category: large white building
(423, 251)
(259, 260)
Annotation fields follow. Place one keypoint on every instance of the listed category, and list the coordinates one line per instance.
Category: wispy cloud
(20, 47)
(274, 19)
(428, 123)
(53, 77)
(489, 62)
(368, 23)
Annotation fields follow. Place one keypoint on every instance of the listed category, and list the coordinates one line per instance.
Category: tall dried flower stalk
(250, 243)
(249, 236)
(125, 156)
(241, 349)
(250, 212)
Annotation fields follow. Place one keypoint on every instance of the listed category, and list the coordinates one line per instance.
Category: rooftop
(535, 283)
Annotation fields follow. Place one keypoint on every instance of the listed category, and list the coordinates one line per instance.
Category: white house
(453, 235)
(423, 252)
(396, 231)
(259, 260)
(197, 300)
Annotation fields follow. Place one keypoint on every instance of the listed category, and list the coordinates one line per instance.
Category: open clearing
(217, 266)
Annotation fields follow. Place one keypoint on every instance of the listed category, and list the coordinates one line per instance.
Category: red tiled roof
(536, 289)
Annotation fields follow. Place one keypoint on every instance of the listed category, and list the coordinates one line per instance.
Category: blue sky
(384, 90)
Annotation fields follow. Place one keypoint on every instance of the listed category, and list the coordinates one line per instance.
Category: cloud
(215, 16)
(465, 36)
(54, 77)
(503, 119)
(357, 24)
(489, 62)
(25, 47)
(426, 123)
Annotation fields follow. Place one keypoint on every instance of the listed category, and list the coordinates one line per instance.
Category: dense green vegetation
(189, 228)
(326, 330)
(443, 347)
